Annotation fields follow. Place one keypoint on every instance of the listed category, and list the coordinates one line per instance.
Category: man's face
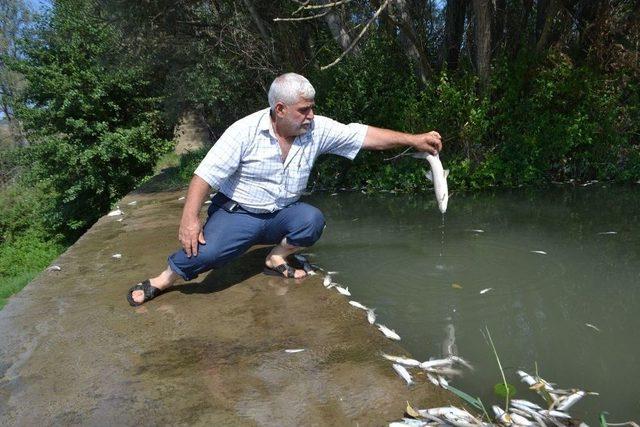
(297, 118)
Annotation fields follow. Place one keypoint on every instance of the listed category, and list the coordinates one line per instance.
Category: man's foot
(142, 293)
(276, 262)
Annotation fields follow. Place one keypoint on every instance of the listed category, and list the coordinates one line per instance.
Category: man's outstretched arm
(190, 232)
(385, 139)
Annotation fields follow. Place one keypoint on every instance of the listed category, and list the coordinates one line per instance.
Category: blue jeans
(230, 234)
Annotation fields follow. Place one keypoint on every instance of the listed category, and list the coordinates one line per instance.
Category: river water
(423, 273)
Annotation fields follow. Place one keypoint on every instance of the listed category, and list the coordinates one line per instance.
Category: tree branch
(355, 41)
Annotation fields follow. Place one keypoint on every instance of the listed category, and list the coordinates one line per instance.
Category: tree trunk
(453, 31)
(517, 20)
(548, 29)
(409, 40)
(338, 30)
(483, 14)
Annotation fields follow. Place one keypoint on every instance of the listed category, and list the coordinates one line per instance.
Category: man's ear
(280, 108)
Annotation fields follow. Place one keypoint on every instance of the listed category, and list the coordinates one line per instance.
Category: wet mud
(208, 352)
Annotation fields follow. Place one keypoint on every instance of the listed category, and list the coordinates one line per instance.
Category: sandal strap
(291, 272)
(150, 292)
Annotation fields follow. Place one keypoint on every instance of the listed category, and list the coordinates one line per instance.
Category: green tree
(90, 112)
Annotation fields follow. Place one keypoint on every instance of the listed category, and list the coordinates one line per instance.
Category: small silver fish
(54, 268)
(327, 280)
(555, 414)
(607, 232)
(116, 212)
(371, 316)
(402, 371)
(477, 231)
(443, 381)
(356, 304)
(389, 333)
(570, 400)
(116, 256)
(343, 291)
(435, 363)
(526, 403)
(294, 350)
(539, 252)
(433, 379)
(135, 202)
(484, 291)
(401, 360)
(519, 419)
(593, 327)
(181, 198)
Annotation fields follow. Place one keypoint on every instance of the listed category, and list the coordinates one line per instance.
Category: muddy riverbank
(208, 352)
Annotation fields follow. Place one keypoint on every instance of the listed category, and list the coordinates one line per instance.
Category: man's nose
(311, 114)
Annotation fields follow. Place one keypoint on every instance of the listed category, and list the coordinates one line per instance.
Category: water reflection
(402, 257)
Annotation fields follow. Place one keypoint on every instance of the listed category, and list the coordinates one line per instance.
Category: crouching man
(260, 166)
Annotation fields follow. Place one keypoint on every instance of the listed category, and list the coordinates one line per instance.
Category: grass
(14, 284)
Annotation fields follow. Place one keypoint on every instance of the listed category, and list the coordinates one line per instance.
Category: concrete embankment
(208, 352)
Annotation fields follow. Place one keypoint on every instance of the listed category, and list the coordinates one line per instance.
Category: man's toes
(138, 296)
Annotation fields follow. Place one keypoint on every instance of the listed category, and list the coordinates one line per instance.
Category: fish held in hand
(438, 175)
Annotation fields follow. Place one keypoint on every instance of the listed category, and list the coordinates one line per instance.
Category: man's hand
(431, 142)
(190, 234)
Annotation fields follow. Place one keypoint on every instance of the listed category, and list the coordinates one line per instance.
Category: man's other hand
(431, 142)
(190, 234)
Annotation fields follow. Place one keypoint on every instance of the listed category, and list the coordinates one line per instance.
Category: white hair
(289, 88)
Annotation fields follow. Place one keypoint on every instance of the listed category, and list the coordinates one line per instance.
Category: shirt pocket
(297, 178)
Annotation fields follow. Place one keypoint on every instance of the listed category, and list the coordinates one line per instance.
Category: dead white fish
(181, 198)
(404, 374)
(343, 291)
(356, 304)
(501, 416)
(116, 256)
(135, 202)
(484, 291)
(568, 401)
(116, 212)
(371, 316)
(54, 268)
(477, 230)
(438, 176)
(519, 419)
(452, 414)
(435, 363)
(594, 327)
(327, 280)
(401, 360)
(555, 414)
(389, 333)
(443, 381)
(119, 220)
(332, 273)
(526, 403)
(433, 379)
(334, 194)
(461, 361)
(528, 412)
(602, 233)
(294, 350)
(445, 371)
(406, 423)
(539, 252)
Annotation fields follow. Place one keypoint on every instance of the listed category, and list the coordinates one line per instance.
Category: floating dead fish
(519, 419)
(484, 291)
(294, 350)
(555, 414)
(334, 194)
(356, 304)
(326, 281)
(462, 361)
(567, 402)
(401, 360)
(371, 316)
(54, 268)
(389, 333)
(526, 403)
(594, 327)
(343, 291)
(607, 232)
(539, 252)
(433, 379)
(456, 286)
(116, 212)
(404, 374)
(429, 364)
(181, 198)
(135, 202)
(119, 220)
(355, 219)
(116, 256)
(477, 231)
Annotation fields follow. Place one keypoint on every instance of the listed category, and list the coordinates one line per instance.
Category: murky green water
(397, 254)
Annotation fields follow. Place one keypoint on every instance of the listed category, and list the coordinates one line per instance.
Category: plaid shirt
(246, 165)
